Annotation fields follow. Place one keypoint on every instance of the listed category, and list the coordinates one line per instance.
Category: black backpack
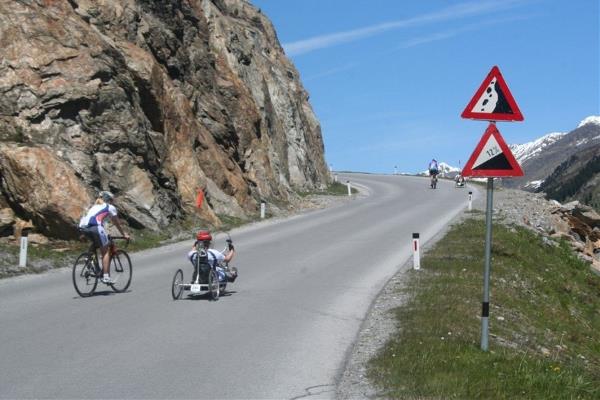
(202, 266)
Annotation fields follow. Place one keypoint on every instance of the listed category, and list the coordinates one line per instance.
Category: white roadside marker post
(349, 190)
(335, 178)
(416, 251)
(23, 252)
(263, 207)
(470, 201)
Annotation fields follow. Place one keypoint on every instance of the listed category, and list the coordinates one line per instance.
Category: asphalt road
(283, 331)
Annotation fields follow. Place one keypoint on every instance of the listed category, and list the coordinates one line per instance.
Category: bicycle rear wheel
(120, 271)
(177, 288)
(84, 278)
(213, 284)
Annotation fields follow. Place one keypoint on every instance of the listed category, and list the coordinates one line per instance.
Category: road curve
(283, 331)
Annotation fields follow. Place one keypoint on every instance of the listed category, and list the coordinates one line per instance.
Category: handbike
(87, 270)
(202, 283)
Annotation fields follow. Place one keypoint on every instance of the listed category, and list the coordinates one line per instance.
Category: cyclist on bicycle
(434, 170)
(203, 241)
(92, 226)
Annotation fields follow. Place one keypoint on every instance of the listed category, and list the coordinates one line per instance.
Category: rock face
(578, 178)
(150, 99)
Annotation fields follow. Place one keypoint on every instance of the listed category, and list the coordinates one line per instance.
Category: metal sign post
(491, 159)
(485, 305)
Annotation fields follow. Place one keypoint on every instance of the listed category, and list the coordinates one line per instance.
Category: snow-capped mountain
(446, 170)
(594, 119)
(540, 157)
(525, 151)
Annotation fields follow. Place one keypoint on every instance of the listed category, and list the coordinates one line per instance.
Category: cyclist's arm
(229, 255)
(117, 223)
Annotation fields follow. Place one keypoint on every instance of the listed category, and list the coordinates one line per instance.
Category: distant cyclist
(434, 170)
(92, 225)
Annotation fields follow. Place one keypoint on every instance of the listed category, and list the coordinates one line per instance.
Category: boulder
(19, 226)
(588, 216)
(36, 238)
(569, 207)
(7, 219)
(44, 187)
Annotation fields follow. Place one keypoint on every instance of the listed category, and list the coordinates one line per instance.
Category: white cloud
(332, 71)
(453, 12)
(451, 33)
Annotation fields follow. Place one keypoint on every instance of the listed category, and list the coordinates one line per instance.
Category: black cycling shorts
(91, 232)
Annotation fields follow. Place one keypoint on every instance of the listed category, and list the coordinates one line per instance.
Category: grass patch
(544, 322)
(334, 189)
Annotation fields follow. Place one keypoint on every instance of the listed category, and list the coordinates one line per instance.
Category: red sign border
(517, 116)
(516, 170)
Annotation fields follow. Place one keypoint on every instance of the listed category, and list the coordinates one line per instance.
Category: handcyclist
(215, 257)
(434, 170)
(92, 226)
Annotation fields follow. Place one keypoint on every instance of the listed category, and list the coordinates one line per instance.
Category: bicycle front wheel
(84, 278)
(120, 271)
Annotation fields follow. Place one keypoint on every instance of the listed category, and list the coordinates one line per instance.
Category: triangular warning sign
(492, 157)
(493, 101)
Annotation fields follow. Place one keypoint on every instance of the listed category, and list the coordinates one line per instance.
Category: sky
(388, 79)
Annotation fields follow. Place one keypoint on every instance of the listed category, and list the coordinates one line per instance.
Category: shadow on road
(206, 296)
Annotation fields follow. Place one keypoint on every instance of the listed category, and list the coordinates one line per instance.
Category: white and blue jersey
(93, 222)
(97, 215)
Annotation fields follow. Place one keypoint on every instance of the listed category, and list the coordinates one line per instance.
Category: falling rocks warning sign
(493, 101)
(492, 157)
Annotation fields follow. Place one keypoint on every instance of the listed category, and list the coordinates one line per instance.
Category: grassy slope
(544, 322)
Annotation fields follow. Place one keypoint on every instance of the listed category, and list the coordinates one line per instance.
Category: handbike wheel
(213, 284)
(84, 278)
(120, 271)
(177, 287)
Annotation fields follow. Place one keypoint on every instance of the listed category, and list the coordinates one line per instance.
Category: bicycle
(87, 270)
(434, 180)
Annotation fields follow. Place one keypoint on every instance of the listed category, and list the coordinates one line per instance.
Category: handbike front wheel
(84, 278)
(213, 284)
(120, 271)
(177, 287)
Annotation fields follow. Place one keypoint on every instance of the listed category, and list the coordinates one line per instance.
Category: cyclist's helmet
(203, 236)
(106, 196)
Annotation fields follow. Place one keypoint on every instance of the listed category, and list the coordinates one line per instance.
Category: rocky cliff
(578, 178)
(150, 99)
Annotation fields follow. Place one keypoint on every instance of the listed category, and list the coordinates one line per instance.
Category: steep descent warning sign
(493, 101)
(492, 157)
